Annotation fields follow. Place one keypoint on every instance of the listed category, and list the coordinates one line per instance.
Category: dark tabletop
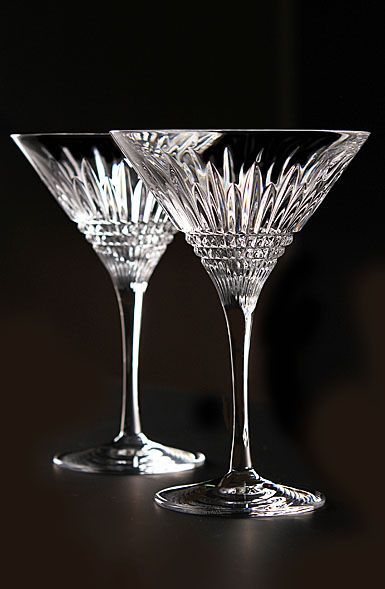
(66, 529)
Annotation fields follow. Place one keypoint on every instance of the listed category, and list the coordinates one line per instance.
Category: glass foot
(262, 499)
(130, 455)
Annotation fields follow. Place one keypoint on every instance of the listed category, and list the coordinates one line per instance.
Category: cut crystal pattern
(122, 220)
(130, 251)
(130, 232)
(239, 201)
(241, 187)
(279, 192)
(239, 264)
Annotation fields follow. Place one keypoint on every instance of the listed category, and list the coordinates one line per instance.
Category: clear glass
(240, 200)
(100, 191)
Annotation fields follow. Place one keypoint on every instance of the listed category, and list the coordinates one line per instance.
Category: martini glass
(128, 229)
(240, 201)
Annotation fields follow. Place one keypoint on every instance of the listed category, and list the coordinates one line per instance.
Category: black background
(318, 358)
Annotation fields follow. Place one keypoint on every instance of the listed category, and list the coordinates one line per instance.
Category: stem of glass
(130, 301)
(239, 324)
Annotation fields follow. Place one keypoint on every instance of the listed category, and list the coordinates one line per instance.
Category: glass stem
(239, 325)
(130, 301)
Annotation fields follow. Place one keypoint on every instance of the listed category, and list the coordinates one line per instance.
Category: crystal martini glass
(240, 201)
(129, 230)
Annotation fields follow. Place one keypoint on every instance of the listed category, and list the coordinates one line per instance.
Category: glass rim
(116, 131)
(61, 134)
(187, 130)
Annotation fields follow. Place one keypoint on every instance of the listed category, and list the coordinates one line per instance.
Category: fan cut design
(238, 186)
(130, 231)
(101, 192)
(277, 193)
(239, 201)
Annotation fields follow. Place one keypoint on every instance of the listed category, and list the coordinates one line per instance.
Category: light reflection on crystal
(239, 202)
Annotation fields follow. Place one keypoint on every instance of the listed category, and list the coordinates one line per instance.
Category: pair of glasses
(239, 196)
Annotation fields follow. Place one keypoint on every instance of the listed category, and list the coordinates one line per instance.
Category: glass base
(130, 455)
(262, 499)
